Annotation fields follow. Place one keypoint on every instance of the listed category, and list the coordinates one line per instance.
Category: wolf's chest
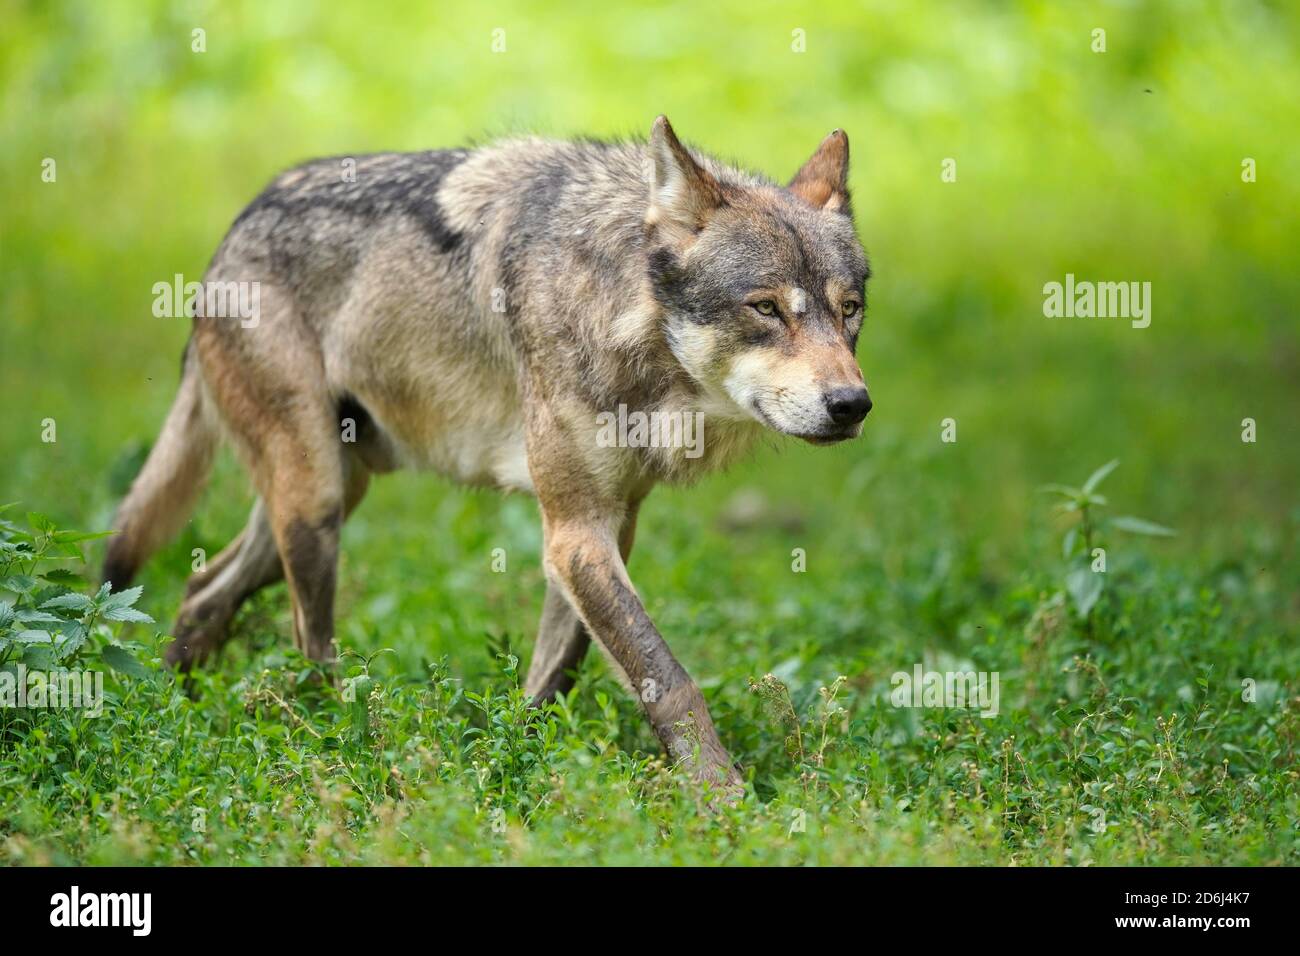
(482, 447)
(493, 456)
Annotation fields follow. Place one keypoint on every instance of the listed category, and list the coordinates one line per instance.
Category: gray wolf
(480, 312)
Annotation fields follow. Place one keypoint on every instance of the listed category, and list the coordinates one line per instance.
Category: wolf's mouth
(831, 437)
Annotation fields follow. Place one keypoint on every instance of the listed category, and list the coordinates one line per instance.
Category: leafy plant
(508, 753)
(1083, 546)
(44, 623)
(809, 746)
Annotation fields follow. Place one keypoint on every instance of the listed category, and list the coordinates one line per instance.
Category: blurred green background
(1122, 165)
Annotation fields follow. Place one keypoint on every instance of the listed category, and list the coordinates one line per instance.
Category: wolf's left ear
(823, 181)
(682, 192)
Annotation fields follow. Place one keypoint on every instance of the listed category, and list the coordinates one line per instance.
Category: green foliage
(1083, 545)
(44, 623)
(1134, 744)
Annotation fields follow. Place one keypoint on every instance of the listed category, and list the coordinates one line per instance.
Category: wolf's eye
(850, 308)
(764, 307)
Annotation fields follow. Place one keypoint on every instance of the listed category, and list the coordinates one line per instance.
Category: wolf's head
(762, 287)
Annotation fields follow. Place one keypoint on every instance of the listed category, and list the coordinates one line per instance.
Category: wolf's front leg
(562, 638)
(582, 557)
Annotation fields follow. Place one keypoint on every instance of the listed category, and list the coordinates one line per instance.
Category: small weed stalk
(1084, 545)
(776, 699)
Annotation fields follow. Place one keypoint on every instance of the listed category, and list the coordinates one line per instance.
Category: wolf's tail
(164, 492)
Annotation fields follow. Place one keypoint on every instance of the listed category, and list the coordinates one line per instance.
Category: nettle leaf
(62, 576)
(71, 601)
(1141, 526)
(48, 593)
(123, 661)
(37, 617)
(69, 626)
(121, 598)
(39, 522)
(18, 583)
(33, 637)
(1084, 586)
(67, 537)
(7, 615)
(1099, 475)
(117, 607)
(1067, 545)
(73, 636)
(126, 614)
(1064, 490)
(70, 551)
(39, 657)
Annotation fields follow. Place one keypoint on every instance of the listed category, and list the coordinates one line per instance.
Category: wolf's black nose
(848, 406)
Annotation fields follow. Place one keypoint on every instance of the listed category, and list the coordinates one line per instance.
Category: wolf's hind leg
(249, 563)
(200, 579)
(307, 515)
(268, 381)
(245, 566)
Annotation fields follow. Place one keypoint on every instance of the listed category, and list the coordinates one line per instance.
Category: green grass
(1142, 722)
(1122, 737)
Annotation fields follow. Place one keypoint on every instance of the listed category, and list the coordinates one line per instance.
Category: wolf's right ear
(823, 181)
(682, 193)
